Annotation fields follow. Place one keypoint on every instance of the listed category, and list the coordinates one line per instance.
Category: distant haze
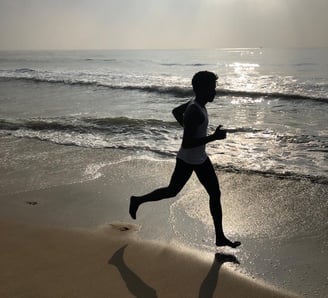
(120, 24)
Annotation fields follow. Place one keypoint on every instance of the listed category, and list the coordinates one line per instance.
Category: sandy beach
(66, 232)
(110, 262)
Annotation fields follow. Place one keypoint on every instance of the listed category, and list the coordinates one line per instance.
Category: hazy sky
(107, 24)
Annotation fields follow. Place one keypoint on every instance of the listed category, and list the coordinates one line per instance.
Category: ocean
(272, 102)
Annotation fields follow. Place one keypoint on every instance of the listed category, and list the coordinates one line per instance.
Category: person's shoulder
(193, 114)
(192, 109)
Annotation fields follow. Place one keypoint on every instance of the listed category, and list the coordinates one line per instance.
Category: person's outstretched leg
(207, 176)
(180, 176)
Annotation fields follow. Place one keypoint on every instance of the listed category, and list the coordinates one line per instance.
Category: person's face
(211, 92)
(207, 94)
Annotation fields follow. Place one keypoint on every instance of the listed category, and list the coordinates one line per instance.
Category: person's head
(204, 84)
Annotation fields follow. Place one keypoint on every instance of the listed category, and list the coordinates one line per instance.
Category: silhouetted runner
(192, 155)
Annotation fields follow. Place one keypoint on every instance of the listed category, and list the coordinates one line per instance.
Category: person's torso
(196, 155)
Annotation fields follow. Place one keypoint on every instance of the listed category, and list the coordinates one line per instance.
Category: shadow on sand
(134, 283)
(209, 284)
(139, 288)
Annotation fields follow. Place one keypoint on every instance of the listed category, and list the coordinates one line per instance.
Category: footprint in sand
(31, 203)
(125, 227)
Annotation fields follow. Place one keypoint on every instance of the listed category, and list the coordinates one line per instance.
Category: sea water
(273, 103)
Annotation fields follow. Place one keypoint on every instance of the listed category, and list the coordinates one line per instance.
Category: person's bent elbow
(178, 116)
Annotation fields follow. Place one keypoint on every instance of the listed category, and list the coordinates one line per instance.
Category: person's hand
(220, 134)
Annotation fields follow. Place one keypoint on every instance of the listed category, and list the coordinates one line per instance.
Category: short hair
(202, 79)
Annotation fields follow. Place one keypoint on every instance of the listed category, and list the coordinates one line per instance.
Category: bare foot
(134, 205)
(226, 242)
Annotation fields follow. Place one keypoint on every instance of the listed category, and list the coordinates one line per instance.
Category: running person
(192, 155)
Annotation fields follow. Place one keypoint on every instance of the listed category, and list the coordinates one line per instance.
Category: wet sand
(63, 216)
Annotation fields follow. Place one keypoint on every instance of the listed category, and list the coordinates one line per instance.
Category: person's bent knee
(172, 192)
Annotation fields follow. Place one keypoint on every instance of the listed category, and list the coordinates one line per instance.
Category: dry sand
(111, 261)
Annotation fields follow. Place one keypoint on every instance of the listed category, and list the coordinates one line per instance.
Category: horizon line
(162, 49)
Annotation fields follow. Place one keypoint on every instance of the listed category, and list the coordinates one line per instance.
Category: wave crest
(86, 124)
(32, 75)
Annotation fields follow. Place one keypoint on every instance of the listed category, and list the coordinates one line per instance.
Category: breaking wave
(34, 76)
(137, 135)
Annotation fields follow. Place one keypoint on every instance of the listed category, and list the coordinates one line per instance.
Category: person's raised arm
(178, 112)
